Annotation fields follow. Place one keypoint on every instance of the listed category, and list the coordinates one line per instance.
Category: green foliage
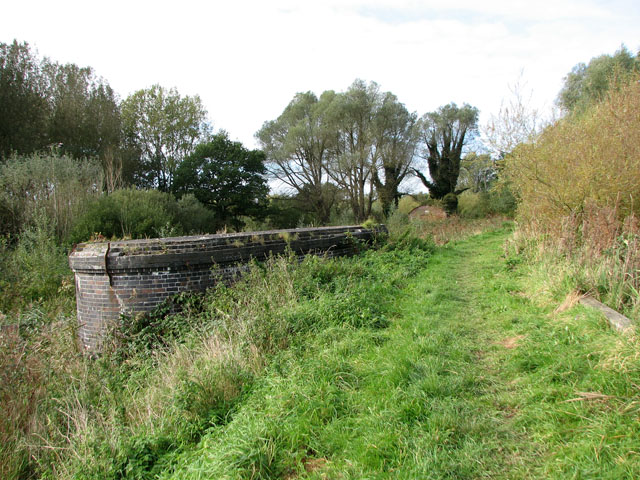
(444, 133)
(296, 148)
(227, 178)
(128, 213)
(477, 172)
(286, 212)
(34, 268)
(144, 336)
(497, 201)
(577, 187)
(407, 203)
(473, 205)
(163, 128)
(53, 185)
(587, 85)
(24, 111)
(85, 112)
(193, 217)
(46, 103)
(341, 146)
(352, 118)
(450, 203)
(132, 213)
(397, 133)
(40, 263)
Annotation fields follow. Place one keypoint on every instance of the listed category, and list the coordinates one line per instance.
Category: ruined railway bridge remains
(134, 276)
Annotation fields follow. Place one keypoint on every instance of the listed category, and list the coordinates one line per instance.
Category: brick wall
(129, 277)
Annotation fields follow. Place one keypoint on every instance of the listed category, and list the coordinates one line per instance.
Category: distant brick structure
(134, 276)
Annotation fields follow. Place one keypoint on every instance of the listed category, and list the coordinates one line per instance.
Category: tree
(396, 140)
(587, 84)
(477, 172)
(58, 186)
(353, 116)
(227, 178)
(297, 146)
(23, 103)
(444, 133)
(163, 128)
(85, 114)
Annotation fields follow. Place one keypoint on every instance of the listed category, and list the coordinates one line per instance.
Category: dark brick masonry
(129, 277)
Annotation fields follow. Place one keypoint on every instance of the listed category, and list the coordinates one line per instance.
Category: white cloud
(247, 59)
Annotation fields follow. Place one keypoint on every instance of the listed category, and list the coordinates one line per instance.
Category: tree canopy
(397, 137)
(444, 133)
(227, 178)
(44, 103)
(298, 145)
(585, 85)
(163, 128)
(358, 143)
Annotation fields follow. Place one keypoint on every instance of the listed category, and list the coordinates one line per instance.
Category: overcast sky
(246, 59)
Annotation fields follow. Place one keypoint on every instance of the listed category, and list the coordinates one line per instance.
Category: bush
(57, 186)
(407, 203)
(40, 263)
(474, 205)
(450, 203)
(594, 157)
(132, 213)
(578, 186)
(497, 201)
(34, 267)
(193, 217)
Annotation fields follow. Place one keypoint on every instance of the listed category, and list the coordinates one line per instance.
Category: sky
(247, 59)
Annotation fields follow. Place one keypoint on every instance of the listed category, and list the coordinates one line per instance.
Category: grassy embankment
(475, 377)
(410, 362)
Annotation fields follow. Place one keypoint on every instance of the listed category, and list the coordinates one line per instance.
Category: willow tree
(444, 133)
(354, 158)
(297, 146)
(396, 138)
(164, 128)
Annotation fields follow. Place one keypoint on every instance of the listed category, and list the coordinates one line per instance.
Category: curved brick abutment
(134, 276)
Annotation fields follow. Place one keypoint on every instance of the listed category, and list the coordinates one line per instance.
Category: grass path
(472, 379)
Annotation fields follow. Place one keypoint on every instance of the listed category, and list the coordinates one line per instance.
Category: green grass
(413, 361)
(471, 379)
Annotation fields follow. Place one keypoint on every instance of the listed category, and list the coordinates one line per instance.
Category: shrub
(40, 263)
(132, 213)
(590, 158)
(578, 185)
(450, 203)
(57, 186)
(497, 201)
(407, 203)
(193, 217)
(473, 205)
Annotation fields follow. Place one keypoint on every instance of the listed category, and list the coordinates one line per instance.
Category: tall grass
(167, 378)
